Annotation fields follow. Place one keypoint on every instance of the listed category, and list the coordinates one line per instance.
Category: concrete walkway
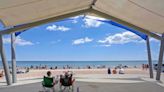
(93, 87)
(95, 83)
(119, 87)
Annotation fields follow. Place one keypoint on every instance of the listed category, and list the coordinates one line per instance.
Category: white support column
(160, 59)
(13, 58)
(5, 63)
(149, 58)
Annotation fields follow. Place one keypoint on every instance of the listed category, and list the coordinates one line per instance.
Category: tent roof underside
(147, 14)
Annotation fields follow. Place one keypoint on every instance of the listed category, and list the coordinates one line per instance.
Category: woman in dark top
(109, 71)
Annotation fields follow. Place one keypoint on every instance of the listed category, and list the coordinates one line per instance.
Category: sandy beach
(88, 80)
(39, 73)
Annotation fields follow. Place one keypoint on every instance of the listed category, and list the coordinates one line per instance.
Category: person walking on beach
(143, 66)
(147, 66)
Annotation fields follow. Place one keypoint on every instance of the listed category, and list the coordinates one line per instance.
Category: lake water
(79, 63)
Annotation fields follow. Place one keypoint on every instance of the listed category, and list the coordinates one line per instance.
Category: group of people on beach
(71, 67)
(115, 71)
(145, 66)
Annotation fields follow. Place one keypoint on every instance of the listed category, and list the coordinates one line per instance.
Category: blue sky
(79, 39)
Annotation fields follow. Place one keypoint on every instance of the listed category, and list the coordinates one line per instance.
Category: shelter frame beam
(149, 57)
(5, 63)
(160, 60)
(13, 58)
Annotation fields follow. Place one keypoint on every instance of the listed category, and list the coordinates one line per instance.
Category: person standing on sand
(109, 71)
(143, 66)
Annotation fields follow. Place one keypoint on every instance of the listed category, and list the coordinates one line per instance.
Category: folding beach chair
(48, 83)
(67, 83)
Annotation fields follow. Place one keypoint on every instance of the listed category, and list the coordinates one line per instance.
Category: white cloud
(154, 40)
(57, 28)
(150, 39)
(19, 41)
(7, 40)
(75, 19)
(120, 38)
(106, 45)
(123, 38)
(90, 21)
(82, 41)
